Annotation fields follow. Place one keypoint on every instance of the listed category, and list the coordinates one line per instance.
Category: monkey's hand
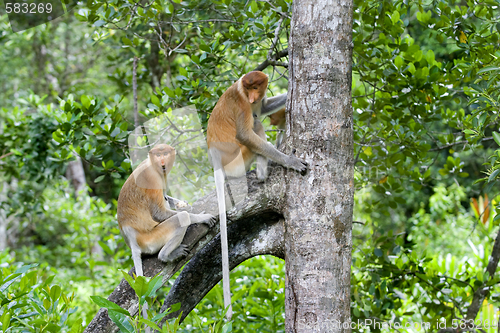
(296, 164)
(177, 204)
(182, 205)
(203, 218)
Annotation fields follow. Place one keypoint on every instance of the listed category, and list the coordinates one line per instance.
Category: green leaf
(496, 137)
(254, 7)
(8, 281)
(109, 164)
(488, 69)
(99, 23)
(155, 100)
(141, 286)
(395, 17)
(85, 101)
(6, 320)
(493, 175)
(77, 326)
(55, 292)
(98, 179)
(105, 247)
(154, 285)
(228, 327)
(127, 41)
(56, 137)
(398, 61)
(121, 321)
(129, 279)
(104, 303)
(150, 323)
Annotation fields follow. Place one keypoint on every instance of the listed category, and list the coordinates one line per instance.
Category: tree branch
(261, 204)
(247, 238)
(481, 292)
(134, 88)
(273, 60)
(459, 143)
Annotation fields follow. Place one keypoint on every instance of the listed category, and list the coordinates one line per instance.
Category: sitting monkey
(145, 222)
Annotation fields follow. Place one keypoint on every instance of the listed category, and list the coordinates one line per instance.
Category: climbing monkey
(235, 138)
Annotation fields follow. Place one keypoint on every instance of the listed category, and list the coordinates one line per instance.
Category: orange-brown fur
(278, 119)
(239, 102)
(233, 131)
(145, 222)
(141, 192)
(234, 125)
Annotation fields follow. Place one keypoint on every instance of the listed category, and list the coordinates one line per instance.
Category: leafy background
(426, 106)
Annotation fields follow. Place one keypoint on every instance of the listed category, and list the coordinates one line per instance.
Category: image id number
(28, 8)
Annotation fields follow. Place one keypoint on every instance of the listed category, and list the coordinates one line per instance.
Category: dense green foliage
(426, 120)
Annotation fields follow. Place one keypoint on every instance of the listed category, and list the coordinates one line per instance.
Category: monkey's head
(255, 84)
(162, 158)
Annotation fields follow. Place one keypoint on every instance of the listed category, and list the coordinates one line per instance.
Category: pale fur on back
(134, 200)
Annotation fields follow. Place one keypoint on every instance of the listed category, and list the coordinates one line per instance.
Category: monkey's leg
(229, 193)
(261, 160)
(173, 249)
(130, 236)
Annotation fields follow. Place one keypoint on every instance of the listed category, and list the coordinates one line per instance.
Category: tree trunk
(76, 175)
(318, 207)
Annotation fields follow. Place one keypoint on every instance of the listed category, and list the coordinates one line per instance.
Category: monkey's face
(255, 84)
(162, 158)
(256, 93)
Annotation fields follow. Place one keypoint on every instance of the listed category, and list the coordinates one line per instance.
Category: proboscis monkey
(278, 120)
(147, 225)
(235, 137)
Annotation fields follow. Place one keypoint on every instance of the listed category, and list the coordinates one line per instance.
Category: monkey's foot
(210, 221)
(203, 218)
(180, 252)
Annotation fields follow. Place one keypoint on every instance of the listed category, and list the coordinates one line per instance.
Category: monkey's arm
(159, 211)
(273, 104)
(246, 135)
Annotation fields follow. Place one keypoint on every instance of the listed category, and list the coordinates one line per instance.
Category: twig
(134, 88)
(8, 154)
(458, 143)
(200, 21)
(276, 56)
(132, 15)
(275, 40)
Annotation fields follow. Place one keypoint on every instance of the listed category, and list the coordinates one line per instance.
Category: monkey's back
(133, 208)
(221, 126)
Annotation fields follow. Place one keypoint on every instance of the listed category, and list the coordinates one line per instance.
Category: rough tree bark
(318, 209)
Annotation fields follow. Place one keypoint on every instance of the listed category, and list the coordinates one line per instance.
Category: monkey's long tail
(219, 187)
